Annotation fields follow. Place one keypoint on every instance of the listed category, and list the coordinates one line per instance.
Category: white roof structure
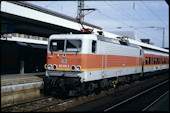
(26, 40)
(33, 12)
(146, 51)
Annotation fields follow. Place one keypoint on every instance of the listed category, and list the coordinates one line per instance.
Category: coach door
(142, 55)
(137, 64)
(103, 64)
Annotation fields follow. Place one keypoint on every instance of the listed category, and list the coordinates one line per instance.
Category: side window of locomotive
(57, 45)
(94, 46)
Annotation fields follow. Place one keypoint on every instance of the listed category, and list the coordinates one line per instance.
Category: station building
(22, 57)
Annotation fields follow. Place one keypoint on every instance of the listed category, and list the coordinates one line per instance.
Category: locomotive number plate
(64, 61)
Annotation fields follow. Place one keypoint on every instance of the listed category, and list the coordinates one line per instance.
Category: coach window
(154, 60)
(149, 62)
(93, 46)
(146, 60)
(163, 61)
(157, 60)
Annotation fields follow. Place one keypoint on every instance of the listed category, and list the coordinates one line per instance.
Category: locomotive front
(64, 64)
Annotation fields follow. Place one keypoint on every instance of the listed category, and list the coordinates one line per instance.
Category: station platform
(16, 88)
(14, 79)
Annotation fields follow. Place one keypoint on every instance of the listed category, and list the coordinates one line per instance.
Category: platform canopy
(26, 18)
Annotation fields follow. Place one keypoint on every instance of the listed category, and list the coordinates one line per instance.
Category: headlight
(45, 66)
(73, 67)
(78, 68)
(49, 67)
(54, 66)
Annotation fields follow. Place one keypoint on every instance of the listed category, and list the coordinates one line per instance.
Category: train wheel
(73, 93)
(46, 90)
(97, 91)
(123, 83)
(87, 93)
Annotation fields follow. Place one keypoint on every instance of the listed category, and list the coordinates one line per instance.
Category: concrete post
(22, 60)
(22, 67)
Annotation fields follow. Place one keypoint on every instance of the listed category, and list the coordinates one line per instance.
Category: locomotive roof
(70, 36)
(131, 42)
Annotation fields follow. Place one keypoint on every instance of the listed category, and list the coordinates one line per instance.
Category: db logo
(64, 61)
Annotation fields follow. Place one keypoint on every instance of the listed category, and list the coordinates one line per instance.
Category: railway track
(135, 103)
(25, 105)
(116, 100)
(37, 105)
(52, 104)
(43, 104)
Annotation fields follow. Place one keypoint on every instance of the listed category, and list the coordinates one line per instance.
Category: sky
(137, 16)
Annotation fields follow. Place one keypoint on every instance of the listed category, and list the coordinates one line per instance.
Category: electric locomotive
(81, 63)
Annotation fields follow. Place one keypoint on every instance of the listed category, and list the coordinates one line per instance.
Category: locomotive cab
(66, 54)
(66, 60)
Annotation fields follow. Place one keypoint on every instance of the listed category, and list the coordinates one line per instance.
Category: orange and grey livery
(95, 59)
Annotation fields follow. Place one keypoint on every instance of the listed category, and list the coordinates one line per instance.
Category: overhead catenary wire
(127, 25)
(49, 4)
(153, 13)
(112, 18)
(125, 13)
(131, 17)
(134, 9)
(121, 10)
